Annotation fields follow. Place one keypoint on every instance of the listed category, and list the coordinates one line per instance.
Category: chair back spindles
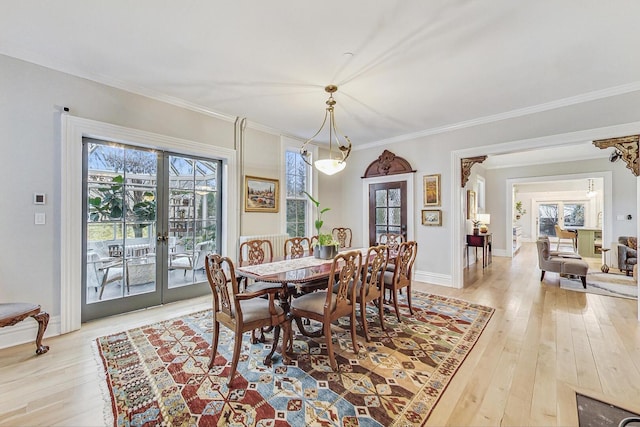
(391, 240)
(254, 252)
(343, 236)
(296, 247)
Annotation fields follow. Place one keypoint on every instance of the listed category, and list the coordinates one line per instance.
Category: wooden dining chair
(296, 247)
(370, 286)
(313, 240)
(242, 311)
(333, 302)
(254, 252)
(391, 240)
(400, 277)
(342, 235)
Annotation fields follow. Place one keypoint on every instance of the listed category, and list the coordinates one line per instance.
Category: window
(297, 204)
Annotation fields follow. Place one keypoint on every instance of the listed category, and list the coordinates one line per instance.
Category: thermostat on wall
(38, 199)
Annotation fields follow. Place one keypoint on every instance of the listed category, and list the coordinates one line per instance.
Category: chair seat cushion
(256, 309)
(14, 309)
(313, 302)
(575, 266)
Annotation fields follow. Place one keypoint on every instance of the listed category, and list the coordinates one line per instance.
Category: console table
(482, 240)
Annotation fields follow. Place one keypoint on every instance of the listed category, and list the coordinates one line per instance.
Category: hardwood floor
(541, 344)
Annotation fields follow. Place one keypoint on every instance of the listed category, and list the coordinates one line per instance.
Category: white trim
(409, 178)
(457, 192)
(73, 130)
(432, 278)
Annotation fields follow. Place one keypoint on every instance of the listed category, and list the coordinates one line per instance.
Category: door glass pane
(381, 198)
(394, 197)
(394, 216)
(547, 219)
(121, 221)
(381, 216)
(193, 222)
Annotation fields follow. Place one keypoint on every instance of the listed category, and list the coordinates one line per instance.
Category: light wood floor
(541, 345)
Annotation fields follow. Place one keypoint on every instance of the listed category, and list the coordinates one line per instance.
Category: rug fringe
(107, 412)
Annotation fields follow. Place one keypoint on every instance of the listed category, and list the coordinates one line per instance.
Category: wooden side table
(482, 240)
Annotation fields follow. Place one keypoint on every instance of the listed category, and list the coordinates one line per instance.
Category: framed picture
(431, 217)
(261, 194)
(472, 205)
(431, 188)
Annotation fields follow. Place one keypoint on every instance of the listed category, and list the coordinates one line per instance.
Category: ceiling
(404, 68)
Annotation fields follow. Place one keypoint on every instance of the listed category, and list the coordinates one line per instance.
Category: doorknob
(162, 237)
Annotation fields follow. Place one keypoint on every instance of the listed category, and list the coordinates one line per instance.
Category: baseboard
(26, 332)
(433, 278)
(499, 252)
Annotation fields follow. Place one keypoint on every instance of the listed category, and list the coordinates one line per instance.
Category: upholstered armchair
(627, 253)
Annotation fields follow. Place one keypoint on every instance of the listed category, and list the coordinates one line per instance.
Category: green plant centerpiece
(325, 247)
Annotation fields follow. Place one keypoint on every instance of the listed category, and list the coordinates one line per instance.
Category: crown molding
(560, 103)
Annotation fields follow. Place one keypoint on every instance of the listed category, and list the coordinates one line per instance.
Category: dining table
(304, 274)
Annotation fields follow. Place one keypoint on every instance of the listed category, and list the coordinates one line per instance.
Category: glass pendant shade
(329, 166)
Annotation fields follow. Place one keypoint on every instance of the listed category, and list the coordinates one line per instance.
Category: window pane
(394, 197)
(381, 216)
(381, 197)
(574, 214)
(394, 216)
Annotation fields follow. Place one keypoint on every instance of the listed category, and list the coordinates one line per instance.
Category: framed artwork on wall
(472, 205)
(431, 217)
(261, 194)
(431, 189)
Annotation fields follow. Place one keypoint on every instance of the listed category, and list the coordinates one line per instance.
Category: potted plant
(519, 210)
(325, 247)
(476, 224)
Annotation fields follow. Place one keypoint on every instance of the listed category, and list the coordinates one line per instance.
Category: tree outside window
(297, 204)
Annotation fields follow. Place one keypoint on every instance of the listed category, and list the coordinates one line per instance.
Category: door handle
(162, 237)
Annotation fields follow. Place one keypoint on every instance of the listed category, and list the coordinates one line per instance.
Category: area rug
(157, 374)
(615, 285)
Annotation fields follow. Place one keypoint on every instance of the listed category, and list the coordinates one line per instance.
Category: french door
(387, 209)
(150, 219)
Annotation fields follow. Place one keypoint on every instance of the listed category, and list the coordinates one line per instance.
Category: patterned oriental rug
(157, 374)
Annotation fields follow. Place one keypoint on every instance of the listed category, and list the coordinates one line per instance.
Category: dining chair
(255, 252)
(370, 286)
(566, 235)
(335, 301)
(242, 311)
(391, 240)
(296, 247)
(342, 235)
(400, 277)
(313, 240)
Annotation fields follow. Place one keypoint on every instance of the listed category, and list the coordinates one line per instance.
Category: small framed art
(472, 205)
(260, 194)
(431, 217)
(431, 189)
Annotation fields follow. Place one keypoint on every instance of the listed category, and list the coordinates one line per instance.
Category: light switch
(40, 218)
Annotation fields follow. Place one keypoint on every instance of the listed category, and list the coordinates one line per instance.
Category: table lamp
(484, 219)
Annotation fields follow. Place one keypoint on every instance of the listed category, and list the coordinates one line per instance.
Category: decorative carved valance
(627, 146)
(466, 164)
(388, 164)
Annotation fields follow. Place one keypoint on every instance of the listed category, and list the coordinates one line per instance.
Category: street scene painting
(260, 194)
